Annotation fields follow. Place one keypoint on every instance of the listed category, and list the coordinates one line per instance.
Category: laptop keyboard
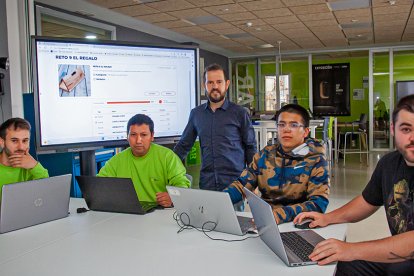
(245, 223)
(298, 245)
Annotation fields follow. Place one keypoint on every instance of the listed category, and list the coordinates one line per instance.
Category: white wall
(5, 108)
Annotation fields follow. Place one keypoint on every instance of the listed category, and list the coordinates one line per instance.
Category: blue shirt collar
(224, 106)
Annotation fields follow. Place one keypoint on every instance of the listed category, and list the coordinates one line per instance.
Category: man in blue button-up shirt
(225, 132)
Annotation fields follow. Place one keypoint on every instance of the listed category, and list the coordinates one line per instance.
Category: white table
(96, 243)
(263, 128)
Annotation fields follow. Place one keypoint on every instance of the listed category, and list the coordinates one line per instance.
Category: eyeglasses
(292, 126)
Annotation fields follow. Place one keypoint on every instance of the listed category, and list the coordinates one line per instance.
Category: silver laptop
(292, 247)
(209, 210)
(33, 202)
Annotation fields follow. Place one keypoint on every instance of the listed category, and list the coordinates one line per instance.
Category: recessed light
(264, 46)
(202, 20)
(225, 9)
(90, 36)
(354, 20)
(249, 24)
(188, 22)
(239, 35)
(356, 25)
(348, 4)
(143, 1)
(392, 2)
(358, 38)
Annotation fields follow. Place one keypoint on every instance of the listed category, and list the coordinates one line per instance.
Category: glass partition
(244, 84)
(390, 77)
(403, 77)
(403, 73)
(381, 99)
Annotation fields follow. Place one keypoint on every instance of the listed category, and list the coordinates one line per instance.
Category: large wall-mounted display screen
(85, 92)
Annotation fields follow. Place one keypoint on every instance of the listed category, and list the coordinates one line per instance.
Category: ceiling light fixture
(354, 20)
(264, 46)
(90, 36)
(348, 4)
(249, 24)
(143, 1)
(203, 20)
(392, 2)
(188, 22)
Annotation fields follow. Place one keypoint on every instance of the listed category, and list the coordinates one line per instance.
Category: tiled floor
(346, 183)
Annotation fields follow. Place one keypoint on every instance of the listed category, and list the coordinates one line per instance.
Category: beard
(212, 99)
(405, 151)
(8, 152)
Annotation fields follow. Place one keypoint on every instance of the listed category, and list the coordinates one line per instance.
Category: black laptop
(112, 194)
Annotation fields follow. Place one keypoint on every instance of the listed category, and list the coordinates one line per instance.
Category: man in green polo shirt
(16, 164)
(150, 166)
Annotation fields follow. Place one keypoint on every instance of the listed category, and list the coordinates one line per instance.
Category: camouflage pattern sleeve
(248, 179)
(318, 188)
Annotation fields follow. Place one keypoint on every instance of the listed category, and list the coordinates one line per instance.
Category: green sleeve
(176, 172)
(108, 170)
(38, 172)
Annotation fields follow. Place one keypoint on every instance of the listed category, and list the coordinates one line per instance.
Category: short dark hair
(406, 103)
(14, 123)
(297, 109)
(214, 67)
(140, 119)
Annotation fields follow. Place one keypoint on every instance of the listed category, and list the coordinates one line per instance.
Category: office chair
(361, 131)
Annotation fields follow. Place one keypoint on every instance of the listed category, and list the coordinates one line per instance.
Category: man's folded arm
(38, 172)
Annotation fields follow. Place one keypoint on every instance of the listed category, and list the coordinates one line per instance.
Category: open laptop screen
(33, 202)
(112, 194)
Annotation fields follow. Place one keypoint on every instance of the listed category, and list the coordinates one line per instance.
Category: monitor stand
(87, 162)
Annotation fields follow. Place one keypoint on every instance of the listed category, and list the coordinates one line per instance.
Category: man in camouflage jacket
(291, 175)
